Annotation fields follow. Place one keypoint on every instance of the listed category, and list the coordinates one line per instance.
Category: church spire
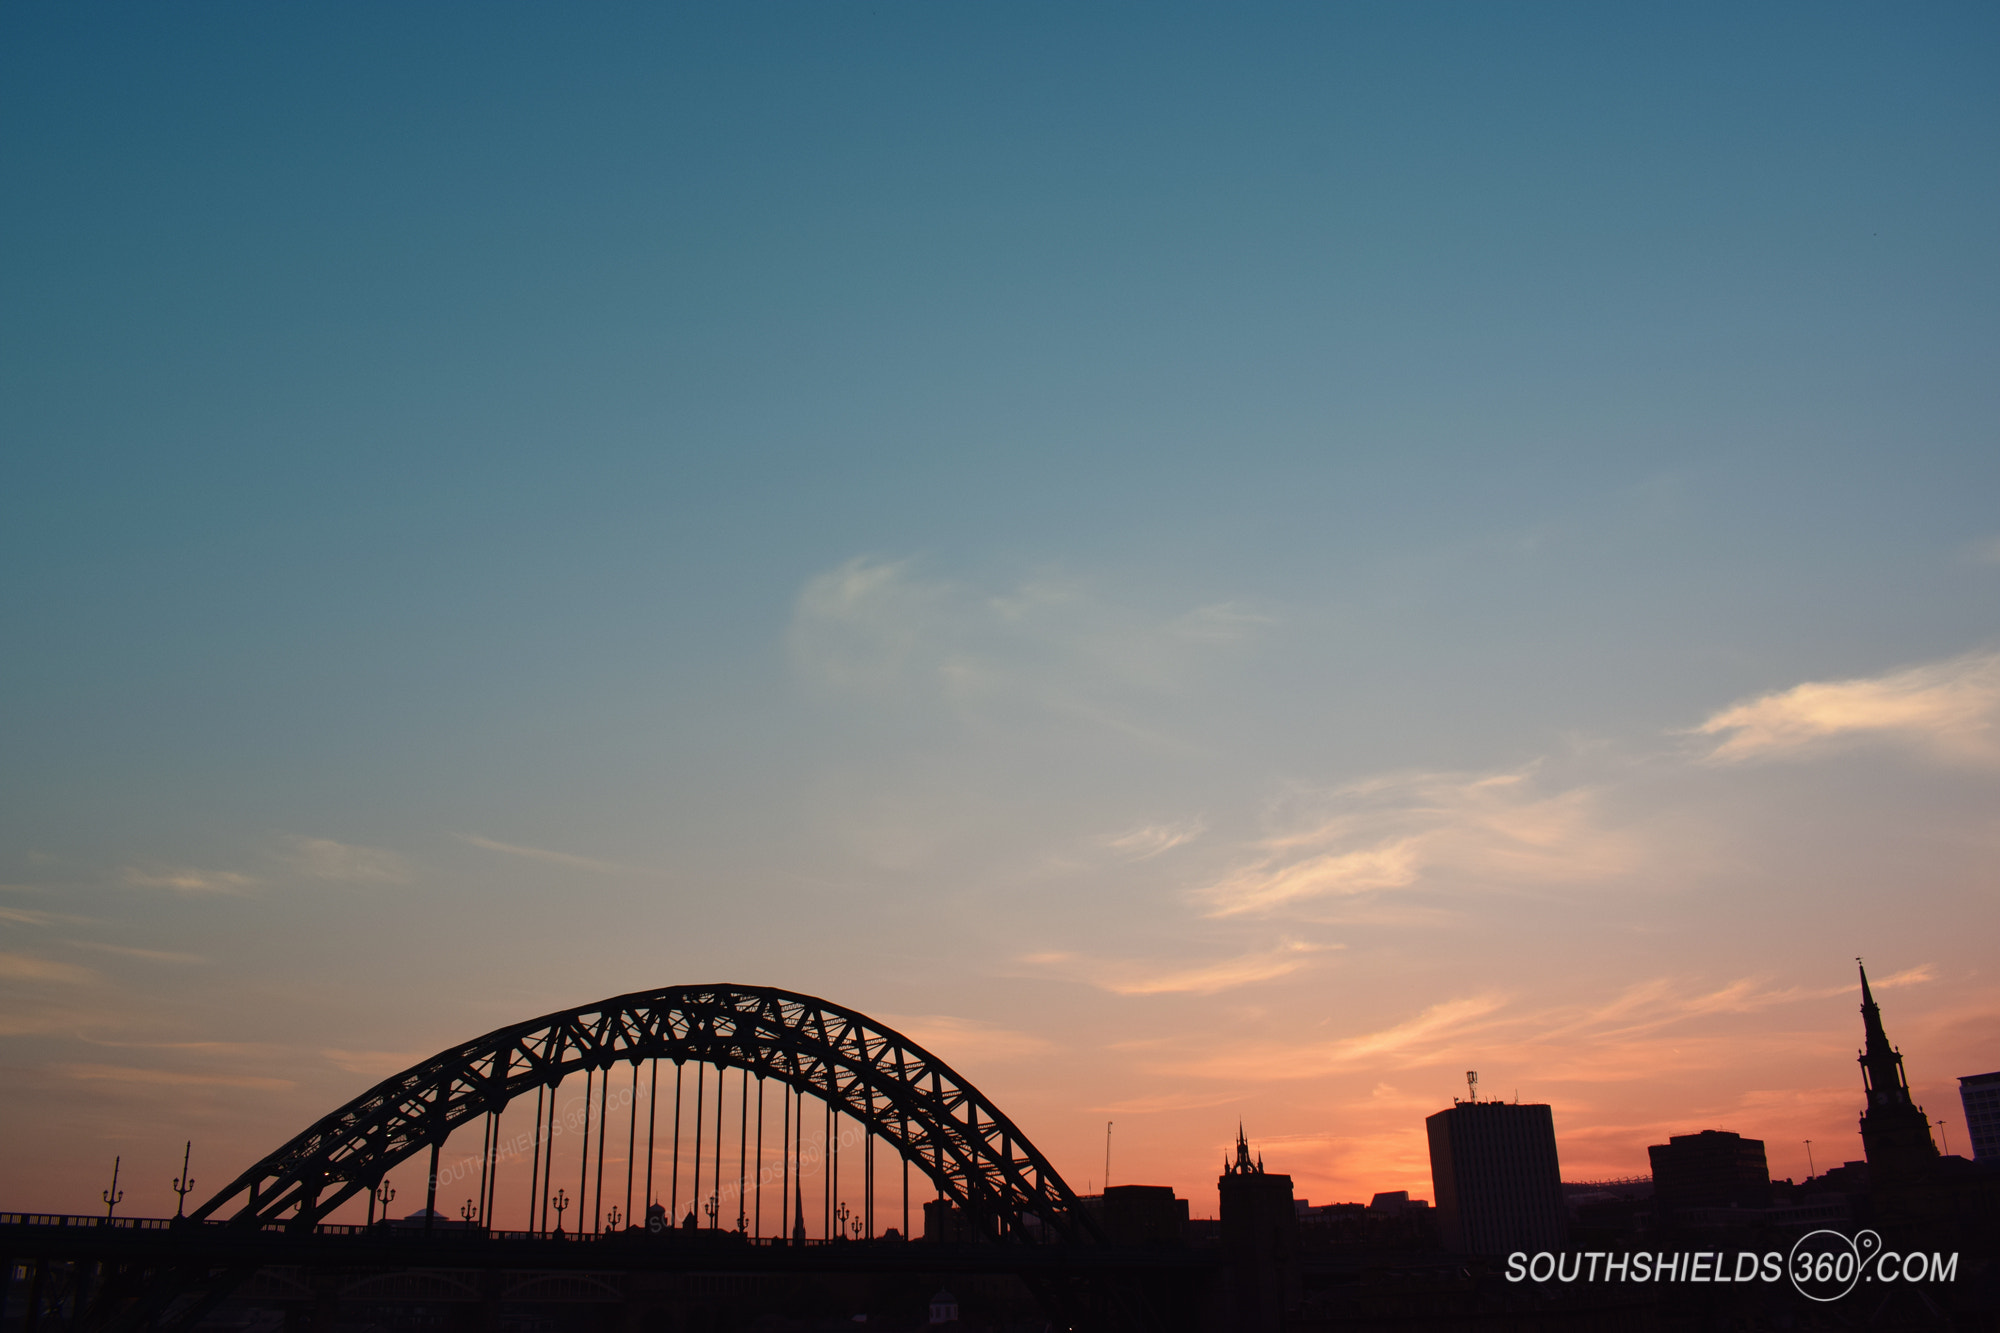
(1243, 1165)
(1882, 1073)
(1895, 1133)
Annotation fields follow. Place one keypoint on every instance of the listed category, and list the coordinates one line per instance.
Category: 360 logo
(1825, 1265)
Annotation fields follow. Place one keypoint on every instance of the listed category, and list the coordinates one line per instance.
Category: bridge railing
(409, 1231)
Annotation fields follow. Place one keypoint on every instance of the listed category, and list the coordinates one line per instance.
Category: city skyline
(1232, 569)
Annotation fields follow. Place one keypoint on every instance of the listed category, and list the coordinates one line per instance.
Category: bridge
(813, 1083)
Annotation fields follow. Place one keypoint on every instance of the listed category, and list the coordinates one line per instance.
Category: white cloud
(1150, 840)
(183, 879)
(1126, 977)
(1947, 708)
(323, 858)
(1053, 642)
(542, 854)
(1398, 832)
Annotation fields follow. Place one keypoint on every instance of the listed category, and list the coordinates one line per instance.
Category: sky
(1213, 565)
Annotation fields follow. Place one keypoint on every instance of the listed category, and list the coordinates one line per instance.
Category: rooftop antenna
(1472, 1085)
(1107, 1154)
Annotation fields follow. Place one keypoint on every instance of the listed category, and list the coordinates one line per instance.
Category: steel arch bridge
(895, 1089)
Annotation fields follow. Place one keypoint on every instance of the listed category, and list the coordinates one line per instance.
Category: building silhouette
(1139, 1214)
(1260, 1242)
(1712, 1169)
(1497, 1180)
(1979, 1094)
(1895, 1132)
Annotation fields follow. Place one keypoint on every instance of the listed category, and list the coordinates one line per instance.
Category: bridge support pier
(431, 1194)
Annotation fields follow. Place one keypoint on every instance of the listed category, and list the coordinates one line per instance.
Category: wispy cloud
(1415, 1041)
(1053, 642)
(564, 859)
(1394, 832)
(955, 1040)
(1150, 840)
(374, 1064)
(1946, 708)
(27, 967)
(1128, 977)
(184, 879)
(323, 858)
(173, 1077)
(23, 916)
(1985, 551)
(129, 951)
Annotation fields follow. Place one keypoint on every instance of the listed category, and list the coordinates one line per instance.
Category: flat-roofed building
(1979, 1094)
(1497, 1180)
(1712, 1169)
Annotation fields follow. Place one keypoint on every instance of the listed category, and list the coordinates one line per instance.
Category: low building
(1712, 1169)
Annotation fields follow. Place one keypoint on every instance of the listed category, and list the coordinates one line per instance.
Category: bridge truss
(1001, 1186)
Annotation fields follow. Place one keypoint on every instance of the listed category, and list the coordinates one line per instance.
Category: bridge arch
(893, 1088)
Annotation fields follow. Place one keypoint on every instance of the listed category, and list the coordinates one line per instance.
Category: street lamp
(840, 1231)
(559, 1202)
(382, 1195)
(855, 1226)
(712, 1207)
(468, 1212)
(113, 1196)
(184, 1183)
(614, 1217)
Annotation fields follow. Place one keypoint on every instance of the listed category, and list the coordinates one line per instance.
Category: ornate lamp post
(184, 1183)
(712, 1207)
(113, 1196)
(468, 1212)
(559, 1202)
(614, 1217)
(855, 1226)
(840, 1229)
(383, 1193)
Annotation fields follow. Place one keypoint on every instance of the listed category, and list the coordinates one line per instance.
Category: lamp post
(183, 1183)
(382, 1195)
(615, 1217)
(712, 1207)
(855, 1226)
(468, 1212)
(840, 1231)
(113, 1196)
(559, 1201)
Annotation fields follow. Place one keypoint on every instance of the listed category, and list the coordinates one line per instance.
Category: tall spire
(1881, 1063)
(1895, 1133)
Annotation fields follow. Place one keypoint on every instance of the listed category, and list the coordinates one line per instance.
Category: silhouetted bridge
(839, 1084)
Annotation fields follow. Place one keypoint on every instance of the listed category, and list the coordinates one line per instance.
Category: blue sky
(948, 508)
